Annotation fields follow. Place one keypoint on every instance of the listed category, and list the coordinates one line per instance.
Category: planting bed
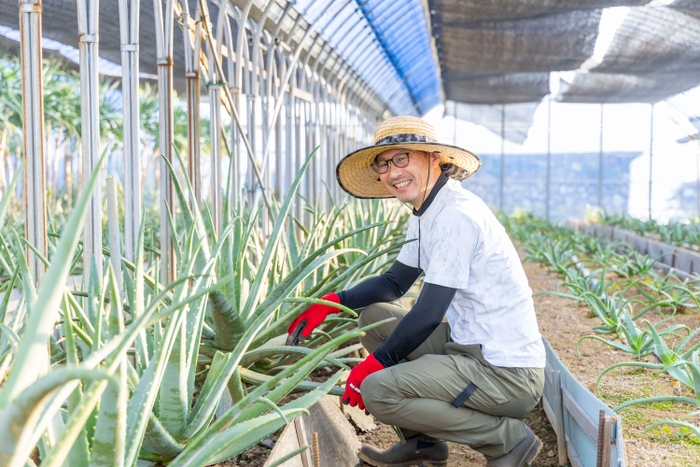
(563, 322)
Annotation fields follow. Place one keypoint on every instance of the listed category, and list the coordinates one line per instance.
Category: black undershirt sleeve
(387, 287)
(417, 325)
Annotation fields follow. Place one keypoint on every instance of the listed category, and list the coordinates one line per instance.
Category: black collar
(442, 179)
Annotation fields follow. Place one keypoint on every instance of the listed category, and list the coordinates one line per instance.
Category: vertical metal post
(651, 153)
(33, 129)
(454, 127)
(503, 163)
(164, 41)
(214, 87)
(129, 33)
(88, 40)
(600, 161)
(192, 34)
(697, 185)
(549, 156)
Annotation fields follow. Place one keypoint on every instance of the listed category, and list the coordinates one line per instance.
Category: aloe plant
(213, 329)
(634, 340)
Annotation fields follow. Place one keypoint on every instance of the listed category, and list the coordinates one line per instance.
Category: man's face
(408, 183)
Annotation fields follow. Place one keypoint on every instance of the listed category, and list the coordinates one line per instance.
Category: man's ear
(434, 158)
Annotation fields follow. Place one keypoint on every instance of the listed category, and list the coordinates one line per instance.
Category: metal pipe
(192, 35)
(234, 111)
(164, 44)
(214, 88)
(503, 140)
(651, 153)
(549, 155)
(600, 161)
(88, 40)
(33, 135)
(129, 35)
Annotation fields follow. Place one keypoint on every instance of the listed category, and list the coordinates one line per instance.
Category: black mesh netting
(654, 54)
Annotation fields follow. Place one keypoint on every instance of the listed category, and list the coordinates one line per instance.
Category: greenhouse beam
(129, 34)
(33, 129)
(651, 153)
(88, 44)
(164, 44)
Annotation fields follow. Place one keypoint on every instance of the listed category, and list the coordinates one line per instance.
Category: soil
(563, 323)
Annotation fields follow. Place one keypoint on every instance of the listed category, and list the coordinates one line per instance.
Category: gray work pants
(422, 394)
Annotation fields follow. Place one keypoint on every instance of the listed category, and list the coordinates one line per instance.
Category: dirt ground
(562, 322)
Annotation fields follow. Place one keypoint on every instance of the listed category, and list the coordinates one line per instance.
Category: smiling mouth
(402, 184)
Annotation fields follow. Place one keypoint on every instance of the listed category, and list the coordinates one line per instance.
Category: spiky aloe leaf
(45, 310)
(108, 444)
(241, 436)
(228, 325)
(21, 414)
(670, 421)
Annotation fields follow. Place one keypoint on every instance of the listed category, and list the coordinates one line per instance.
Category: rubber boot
(521, 455)
(406, 455)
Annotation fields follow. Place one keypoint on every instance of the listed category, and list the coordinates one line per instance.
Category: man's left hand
(352, 395)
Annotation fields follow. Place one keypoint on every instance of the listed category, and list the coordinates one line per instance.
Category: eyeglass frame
(375, 166)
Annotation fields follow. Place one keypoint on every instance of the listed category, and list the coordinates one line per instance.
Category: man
(470, 379)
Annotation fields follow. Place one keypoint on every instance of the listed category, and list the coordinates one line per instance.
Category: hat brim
(356, 176)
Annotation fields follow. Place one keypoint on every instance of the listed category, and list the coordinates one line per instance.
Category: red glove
(313, 316)
(352, 395)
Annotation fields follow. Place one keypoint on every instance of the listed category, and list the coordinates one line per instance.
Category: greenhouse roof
(414, 54)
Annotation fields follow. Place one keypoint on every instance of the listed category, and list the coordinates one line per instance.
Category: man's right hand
(312, 317)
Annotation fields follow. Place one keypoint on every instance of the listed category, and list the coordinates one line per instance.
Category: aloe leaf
(319, 301)
(43, 313)
(8, 293)
(241, 436)
(651, 366)
(613, 344)
(272, 240)
(256, 378)
(108, 444)
(652, 400)
(228, 325)
(669, 421)
(4, 203)
(287, 457)
(20, 416)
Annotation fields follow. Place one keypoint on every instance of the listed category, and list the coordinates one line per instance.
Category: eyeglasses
(399, 160)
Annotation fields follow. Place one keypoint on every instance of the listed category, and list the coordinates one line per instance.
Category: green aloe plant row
(136, 357)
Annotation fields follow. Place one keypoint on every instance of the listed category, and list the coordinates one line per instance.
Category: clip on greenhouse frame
(589, 433)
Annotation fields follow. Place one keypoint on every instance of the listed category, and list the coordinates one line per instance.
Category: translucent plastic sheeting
(387, 44)
(513, 120)
(654, 54)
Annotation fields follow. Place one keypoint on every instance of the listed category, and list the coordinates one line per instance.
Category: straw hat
(354, 171)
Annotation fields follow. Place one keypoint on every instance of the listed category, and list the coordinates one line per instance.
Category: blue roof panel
(387, 44)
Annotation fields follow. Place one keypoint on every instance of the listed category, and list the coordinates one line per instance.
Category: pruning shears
(295, 337)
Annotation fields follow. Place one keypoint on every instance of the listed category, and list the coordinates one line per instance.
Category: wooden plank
(607, 430)
(303, 440)
(338, 442)
(589, 426)
(286, 443)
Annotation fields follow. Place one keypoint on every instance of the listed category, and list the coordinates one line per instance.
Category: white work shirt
(464, 247)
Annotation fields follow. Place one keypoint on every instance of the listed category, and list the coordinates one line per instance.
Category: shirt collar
(441, 181)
